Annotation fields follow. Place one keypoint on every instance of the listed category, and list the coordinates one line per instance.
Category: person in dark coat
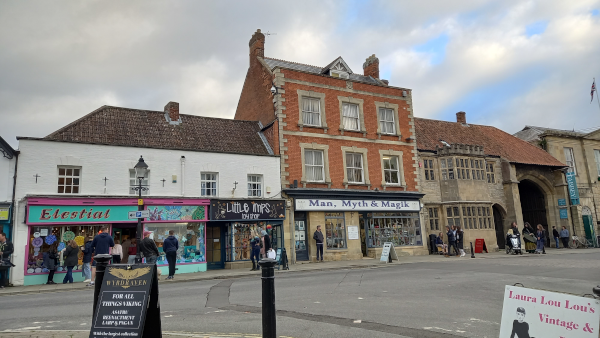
(87, 260)
(6, 249)
(318, 237)
(451, 241)
(101, 246)
(148, 248)
(541, 238)
(71, 256)
(170, 247)
(255, 244)
(555, 235)
(459, 240)
(267, 241)
(50, 262)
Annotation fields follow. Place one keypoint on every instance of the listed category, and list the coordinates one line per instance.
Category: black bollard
(596, 291)
(472, 251)
(269, 320)
(101, 263)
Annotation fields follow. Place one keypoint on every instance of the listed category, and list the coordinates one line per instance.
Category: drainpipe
(12, 213)
(182, 175)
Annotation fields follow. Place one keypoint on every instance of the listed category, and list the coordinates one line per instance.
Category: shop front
(356, 224)
(5, 210)
(53, 222)
(233, 224)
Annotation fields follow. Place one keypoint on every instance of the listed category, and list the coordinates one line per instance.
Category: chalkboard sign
(388, 253)
(123, 303)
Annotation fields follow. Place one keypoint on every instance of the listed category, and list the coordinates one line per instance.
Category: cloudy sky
(506, 63)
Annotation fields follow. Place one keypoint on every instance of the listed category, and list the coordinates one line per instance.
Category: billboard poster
(538, 313)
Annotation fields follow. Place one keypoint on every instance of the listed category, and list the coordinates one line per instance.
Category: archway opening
(499, 225)
(533, 205)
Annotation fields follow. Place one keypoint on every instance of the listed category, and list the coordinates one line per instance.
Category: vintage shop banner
(545, 314)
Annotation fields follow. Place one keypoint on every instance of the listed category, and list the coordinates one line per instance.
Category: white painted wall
(99, 161)
(7, 172)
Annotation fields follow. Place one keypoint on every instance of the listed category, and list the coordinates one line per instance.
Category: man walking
(170, 246)
(564, 237)
(318, 237)
(148, 248)
(100, 246)
(555, 235)
(451, 241)
(6, 249)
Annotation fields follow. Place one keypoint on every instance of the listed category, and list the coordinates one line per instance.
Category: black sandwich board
(128, 304)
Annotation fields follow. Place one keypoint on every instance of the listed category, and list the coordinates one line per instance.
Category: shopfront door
(215, 247)
(300, 237)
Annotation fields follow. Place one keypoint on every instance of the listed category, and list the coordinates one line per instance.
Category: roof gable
(338, 64)
(6, 150)
(594, 135)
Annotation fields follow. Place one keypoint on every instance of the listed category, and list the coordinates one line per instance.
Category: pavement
(86, 334)
(299, 267)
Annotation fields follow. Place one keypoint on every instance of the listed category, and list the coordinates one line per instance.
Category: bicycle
(579, 243)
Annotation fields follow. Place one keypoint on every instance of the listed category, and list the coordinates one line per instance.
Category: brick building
(348, 154)
(483, 179)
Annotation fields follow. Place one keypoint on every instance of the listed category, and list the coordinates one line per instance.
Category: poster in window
(352, 232)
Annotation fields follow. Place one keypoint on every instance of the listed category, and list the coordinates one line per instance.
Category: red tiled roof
(149, 129)
(495, 142)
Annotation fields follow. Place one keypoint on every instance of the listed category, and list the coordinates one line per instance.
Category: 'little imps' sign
(539, 313)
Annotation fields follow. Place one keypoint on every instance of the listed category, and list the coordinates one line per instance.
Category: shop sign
(356, 205)
(3, 214)
(572, 185)
(247, 209)
(539, 313)
(78, 214)
(563, 213)
(562, 202)
(176, 213)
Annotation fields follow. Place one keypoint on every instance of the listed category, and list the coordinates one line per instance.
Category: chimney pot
(461, 117)
(172, 111)
(257, 45)
(371, 67)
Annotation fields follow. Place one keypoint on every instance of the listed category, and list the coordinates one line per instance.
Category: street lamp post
(141, 170)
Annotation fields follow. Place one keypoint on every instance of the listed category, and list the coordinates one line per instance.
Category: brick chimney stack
(461, 117)
(371, 67)
(257, 45)
(172, 110)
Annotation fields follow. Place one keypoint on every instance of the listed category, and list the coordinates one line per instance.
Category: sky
(505, 63)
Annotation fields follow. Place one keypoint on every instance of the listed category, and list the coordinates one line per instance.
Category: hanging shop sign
(221, 210)
(78, 214)
(573, 191)
(539, 313)
(356, 205)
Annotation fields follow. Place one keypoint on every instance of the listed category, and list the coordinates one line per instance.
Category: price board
(388, 253)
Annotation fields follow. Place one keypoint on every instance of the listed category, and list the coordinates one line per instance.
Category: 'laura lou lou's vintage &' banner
(317, 204)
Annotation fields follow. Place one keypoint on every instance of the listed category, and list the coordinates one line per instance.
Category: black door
(533, 205)
(301, 237)
(499, 224)
(215, 247)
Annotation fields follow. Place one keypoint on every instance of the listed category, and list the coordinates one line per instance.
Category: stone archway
(499, 216)
(533, 204)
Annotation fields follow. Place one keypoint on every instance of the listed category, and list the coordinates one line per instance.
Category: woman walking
(529, 245)
(50, 262)
(71, 259)
(117, 252)
(541, 237)
(459, 240)
(132, 251)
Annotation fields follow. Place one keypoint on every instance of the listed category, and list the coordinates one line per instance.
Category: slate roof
(6, 150)
(118, 126)
(533, 133)
(495, 142)
(314, 69)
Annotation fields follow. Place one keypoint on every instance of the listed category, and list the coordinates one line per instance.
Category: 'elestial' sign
(78, 214)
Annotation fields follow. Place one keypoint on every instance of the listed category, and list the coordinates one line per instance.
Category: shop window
(429, 171)
(254, 185)
(239, 236)
(314, 165)
(190, 236)
(134, 182)
(390, 169)
(434, 220)
(42, 239)
(354, 168)
(311, 111)
(335, 230)
(208, 184)
(402, 229)
(68, 180)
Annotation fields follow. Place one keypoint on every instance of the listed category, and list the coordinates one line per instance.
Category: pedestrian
(170, 246)
(459, 240)
(117, 252)
(51, 262)
(555, 235)
(318, 237)
(529, 245)
(6, 249)
(132, 251)
(125, 248)
(439, 242)
(515, 231)
(87, 260)
(100, 246)
(148, 248)
(564, 236)
(266, 241)
(541, 237)
(71, 256)
(255, 255)
(451, 241)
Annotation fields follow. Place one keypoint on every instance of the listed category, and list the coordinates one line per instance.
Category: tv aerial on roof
(269, 33)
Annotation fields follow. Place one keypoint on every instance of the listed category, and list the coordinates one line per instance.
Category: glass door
(214, 247)
(300, 237)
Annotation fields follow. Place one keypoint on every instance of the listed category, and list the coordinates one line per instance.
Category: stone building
(483, 179)
(580, 151)
(348, 153)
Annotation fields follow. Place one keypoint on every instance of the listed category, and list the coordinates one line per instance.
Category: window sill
(302, 126)
(368, 185)
(379, 134)
(364, 132)
(304, 183)
(399, 185)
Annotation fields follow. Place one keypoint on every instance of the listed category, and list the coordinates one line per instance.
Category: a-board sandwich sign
(544, 314)
(388, 252)
(124, 302)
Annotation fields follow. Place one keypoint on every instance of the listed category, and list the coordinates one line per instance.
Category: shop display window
(239, 236)
(43, 238)
(191, 241)
(335, 230)
(402, 229)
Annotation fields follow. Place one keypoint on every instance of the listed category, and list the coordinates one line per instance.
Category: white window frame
(133, 182)
(365, 166)
(397, 170)
(66, 177)
(311, 95)
(360, 168)
(255, 184)
(361, 116)
(349, 121)
(317, 112)
(398, 154)
(315, 146)
(570, 162)
(204, 180)
(308, 166)
(394, 107)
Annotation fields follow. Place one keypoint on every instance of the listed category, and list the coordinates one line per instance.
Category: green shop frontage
(53, 222)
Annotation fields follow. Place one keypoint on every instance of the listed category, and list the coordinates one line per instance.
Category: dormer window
(339, 70)
(340, 74)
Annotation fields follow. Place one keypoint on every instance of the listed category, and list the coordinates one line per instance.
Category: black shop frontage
(232, 225)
